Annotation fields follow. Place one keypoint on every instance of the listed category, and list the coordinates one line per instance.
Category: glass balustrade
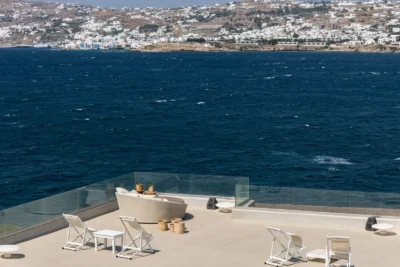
(50, 208)
(321, 200)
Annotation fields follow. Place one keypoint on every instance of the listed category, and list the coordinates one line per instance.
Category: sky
(143, 3)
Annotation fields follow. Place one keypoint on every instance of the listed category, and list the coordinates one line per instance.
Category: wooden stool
(162, 225)
(179, 228)
(176, 220)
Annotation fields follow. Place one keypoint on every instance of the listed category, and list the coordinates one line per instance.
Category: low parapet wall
(371, 211)
(57, 224)
(200, 201)
(275, 217)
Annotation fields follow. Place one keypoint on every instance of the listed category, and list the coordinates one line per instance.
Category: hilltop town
(248, 25)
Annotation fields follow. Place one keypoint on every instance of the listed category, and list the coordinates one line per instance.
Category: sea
(324, 120)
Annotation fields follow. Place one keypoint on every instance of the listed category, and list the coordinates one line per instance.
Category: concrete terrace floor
(213, 239)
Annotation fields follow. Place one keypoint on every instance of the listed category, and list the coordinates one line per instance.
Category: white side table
(226, 207)
(316, 254)
(382, 227)
(7, 250)
(108, 234)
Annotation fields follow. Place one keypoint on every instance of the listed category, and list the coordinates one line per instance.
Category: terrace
(212, 237)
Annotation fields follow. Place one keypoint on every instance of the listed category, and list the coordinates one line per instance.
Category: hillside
(245, 24)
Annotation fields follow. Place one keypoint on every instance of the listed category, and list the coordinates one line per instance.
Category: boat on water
(41, 46)
(23, 46)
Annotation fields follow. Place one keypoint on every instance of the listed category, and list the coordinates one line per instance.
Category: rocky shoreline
(196, 47)
(232, 47)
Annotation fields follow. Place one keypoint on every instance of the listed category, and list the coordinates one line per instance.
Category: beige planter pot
(162, 225)
(176, 220)
(179, 228)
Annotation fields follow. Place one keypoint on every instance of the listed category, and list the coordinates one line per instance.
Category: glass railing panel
(126, 181)
(389, 205)
(20, 217)
(67, 202)
(270, 196)
(212, 185)
(104, 191)
(163, 182)
(364, 202)
(189, 184)
(242, 194)
(95, 194)
(319, 200)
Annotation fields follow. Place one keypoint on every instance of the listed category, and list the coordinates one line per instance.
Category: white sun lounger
(78, 233)
(290, 247)
(338, 247)
(134, 232)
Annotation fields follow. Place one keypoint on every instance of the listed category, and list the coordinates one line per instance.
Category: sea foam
(281, 153)
(333, 169)
(331, 160)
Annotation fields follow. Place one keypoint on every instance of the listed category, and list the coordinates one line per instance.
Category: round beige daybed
(150, 210)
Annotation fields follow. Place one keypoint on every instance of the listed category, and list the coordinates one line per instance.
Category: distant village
(234, 25)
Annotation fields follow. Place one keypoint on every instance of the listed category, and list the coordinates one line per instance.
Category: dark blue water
(301, 119)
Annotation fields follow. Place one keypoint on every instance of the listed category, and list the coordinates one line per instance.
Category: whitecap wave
(201, 103)
(331, 160)
(333, 169)
(287, 75)
(268, 78)
(375, 73)
(397, 159)
(281, 153)
(161, 101)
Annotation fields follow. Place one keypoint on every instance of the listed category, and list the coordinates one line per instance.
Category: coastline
(197, 47)
(260, 48)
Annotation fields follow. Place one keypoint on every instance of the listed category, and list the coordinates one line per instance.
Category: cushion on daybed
(121, 190)
(160, 199)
